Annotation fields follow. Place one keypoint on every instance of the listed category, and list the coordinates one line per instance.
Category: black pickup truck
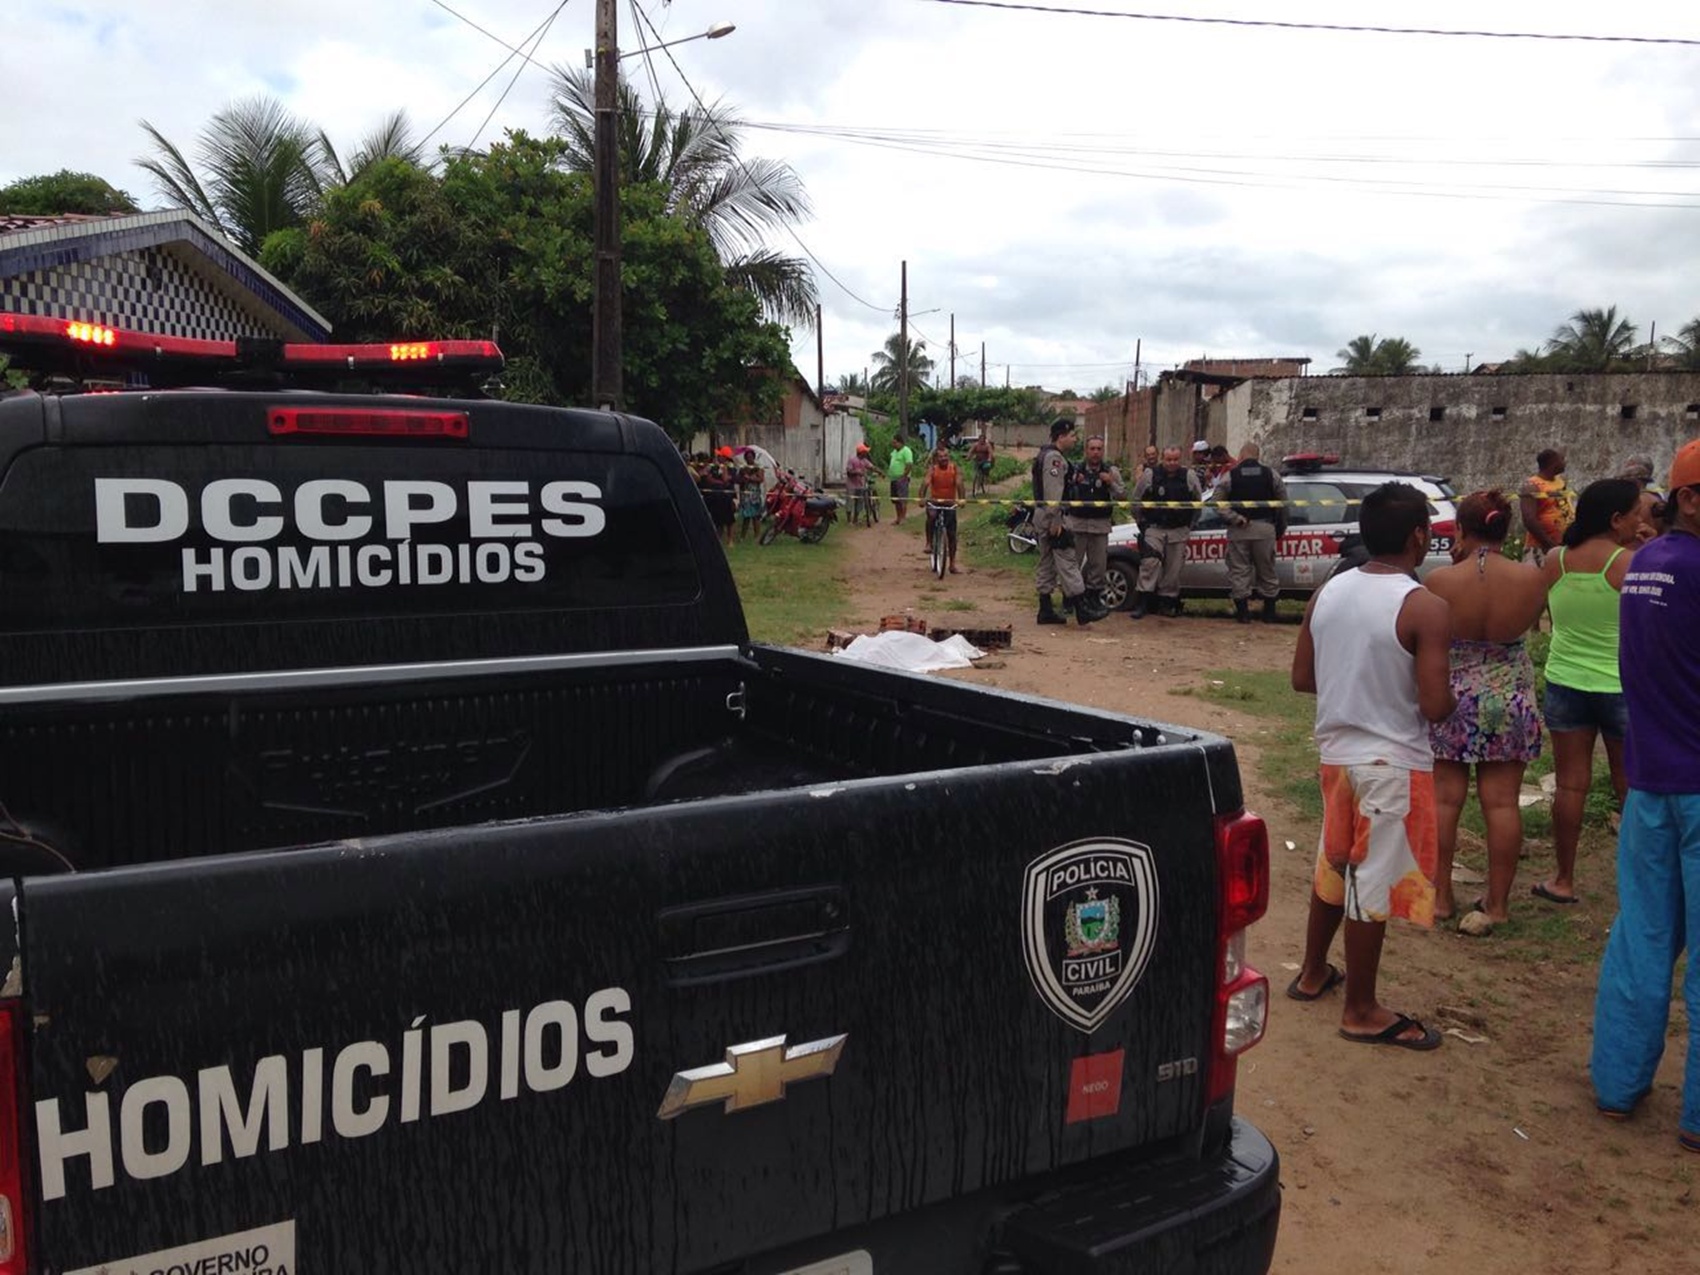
(414, 866)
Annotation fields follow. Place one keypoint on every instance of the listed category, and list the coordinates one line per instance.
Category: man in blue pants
(1658, 846)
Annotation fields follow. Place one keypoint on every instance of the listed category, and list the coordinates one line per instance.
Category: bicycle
(864, 503)
(940, 528)
(980, 475)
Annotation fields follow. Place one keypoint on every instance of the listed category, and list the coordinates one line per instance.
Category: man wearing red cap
(1658, 845)
(856, 471)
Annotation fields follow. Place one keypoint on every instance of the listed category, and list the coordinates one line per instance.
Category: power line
(736, 159)
(1357, 29)
(1268, 181)
(541, 26)
(535, 44)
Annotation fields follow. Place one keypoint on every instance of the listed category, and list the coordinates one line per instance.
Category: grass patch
(791, 591)
(1287, 756)
(1537, 932)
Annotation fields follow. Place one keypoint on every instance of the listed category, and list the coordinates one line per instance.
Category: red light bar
(45, 343)
(380, 421)
(42, 329)
(14, 1221)
(463, 354)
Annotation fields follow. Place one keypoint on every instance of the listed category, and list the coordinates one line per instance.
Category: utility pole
(903, 357)
(605, 359)
(820, 388)
(1467, 358)
(982, 365)
(1652, 342)
(952, 384)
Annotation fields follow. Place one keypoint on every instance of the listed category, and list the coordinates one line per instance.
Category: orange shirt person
(944, 490)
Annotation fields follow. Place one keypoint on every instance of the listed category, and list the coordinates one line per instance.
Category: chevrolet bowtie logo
(752, 1074)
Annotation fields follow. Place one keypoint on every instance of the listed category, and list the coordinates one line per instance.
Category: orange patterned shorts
(1379, 845)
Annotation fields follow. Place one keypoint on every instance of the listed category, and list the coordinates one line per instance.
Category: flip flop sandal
(1391, 1035)
(1540, 891)
(1688, 1141)
(1297, 993)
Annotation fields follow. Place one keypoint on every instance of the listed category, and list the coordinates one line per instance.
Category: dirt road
(1485, 1156)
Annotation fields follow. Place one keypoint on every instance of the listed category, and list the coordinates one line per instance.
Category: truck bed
(216, 765)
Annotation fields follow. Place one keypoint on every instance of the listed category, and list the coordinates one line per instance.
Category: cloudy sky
(1065, 185)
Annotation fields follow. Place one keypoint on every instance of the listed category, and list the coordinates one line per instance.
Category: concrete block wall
(1478, 431)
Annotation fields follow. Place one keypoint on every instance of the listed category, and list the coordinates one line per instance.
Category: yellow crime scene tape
(1143, 504)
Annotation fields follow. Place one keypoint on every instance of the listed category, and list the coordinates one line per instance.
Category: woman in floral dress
(1497, 725)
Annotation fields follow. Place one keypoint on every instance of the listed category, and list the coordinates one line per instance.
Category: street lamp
(714, 32)
(605, 385)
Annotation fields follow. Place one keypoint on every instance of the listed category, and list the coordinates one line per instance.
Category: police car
(1322, 513)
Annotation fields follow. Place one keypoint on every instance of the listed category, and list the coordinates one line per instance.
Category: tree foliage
(694, 156)
(900, 362)
(258, 169)
(1370, 356)
(503, 243)
(64, 192)
(1592, 341)
(1685, 345)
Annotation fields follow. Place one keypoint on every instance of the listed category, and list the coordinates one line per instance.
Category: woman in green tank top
(1584, 698)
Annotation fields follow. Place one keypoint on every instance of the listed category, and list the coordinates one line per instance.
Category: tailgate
(511, 1042)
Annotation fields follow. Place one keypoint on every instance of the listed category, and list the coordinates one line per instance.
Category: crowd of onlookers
(1421, 685)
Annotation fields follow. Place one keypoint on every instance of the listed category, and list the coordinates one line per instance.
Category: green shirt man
(897, 469)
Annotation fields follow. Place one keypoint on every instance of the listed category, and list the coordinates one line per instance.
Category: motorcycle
(1023, 538)
(796, 509)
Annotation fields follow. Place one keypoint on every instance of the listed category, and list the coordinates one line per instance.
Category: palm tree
(1390, 356)
(391, 139)
(853, 383)
(1593, 341)
(894, 364)
(256, 159)
(693, 154)
(1686, 345)
(1358, 356)
(263, 169)
(1395, 356)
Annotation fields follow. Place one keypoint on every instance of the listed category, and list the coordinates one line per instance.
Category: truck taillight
(14, 1254)
(386, 422)
(1242, 994)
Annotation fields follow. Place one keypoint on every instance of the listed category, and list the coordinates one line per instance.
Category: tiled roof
(40, 243)
(17, 223)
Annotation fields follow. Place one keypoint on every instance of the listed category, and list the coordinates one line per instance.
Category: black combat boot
(1269, 610)
(1047, 612)
(1242, 610)
(1143, 605)
(1171, 606)
(1087, 611)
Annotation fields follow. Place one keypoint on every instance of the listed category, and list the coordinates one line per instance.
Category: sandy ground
(1485, 1155)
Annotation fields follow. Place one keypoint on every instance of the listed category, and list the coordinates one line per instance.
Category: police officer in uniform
(1165, 528)
(1257, 519)
(1057, 559)
(1093, 487)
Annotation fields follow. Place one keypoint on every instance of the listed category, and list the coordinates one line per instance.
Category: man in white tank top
(1373, 649)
